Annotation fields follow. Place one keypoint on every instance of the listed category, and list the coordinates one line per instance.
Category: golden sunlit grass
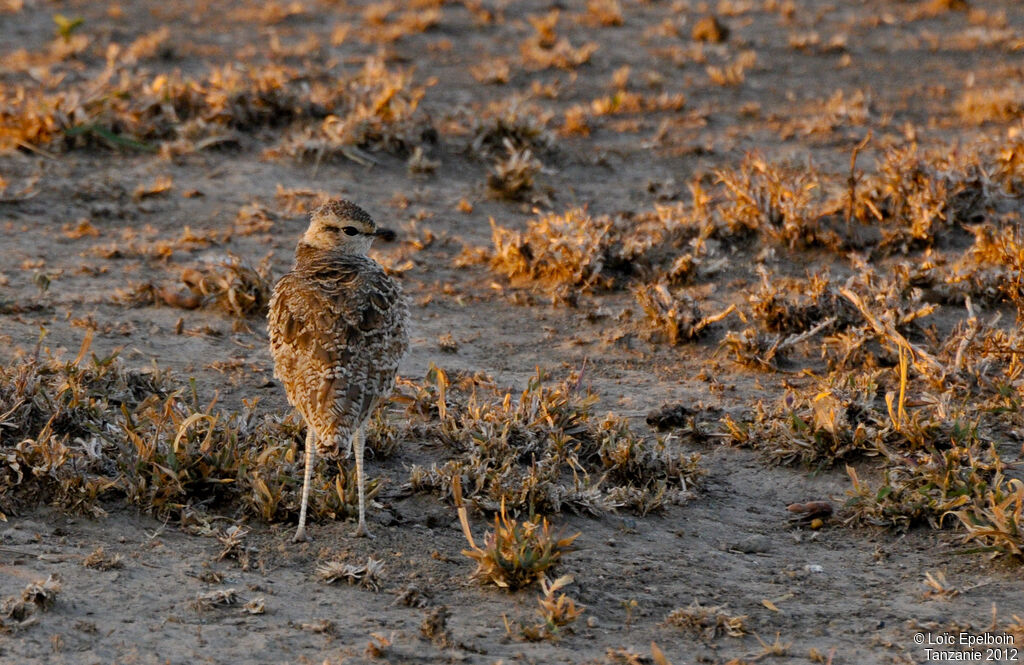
(545, 49)
(935, 420)
(340, 113)
(516, 552)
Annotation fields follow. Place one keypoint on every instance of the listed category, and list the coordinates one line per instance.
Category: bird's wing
(339, 332)
(373, 339)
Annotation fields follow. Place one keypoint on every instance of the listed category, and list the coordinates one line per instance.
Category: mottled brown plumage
(337, 326)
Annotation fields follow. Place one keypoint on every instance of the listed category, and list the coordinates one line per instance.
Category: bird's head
(342, 226)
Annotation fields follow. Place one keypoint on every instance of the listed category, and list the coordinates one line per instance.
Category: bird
(337, 324)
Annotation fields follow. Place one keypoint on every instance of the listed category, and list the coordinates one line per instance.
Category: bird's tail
(336, 444)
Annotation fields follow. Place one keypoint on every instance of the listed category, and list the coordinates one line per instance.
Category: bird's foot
(363, 532)
(300, 536)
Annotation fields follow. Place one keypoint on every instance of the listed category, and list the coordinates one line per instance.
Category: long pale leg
(357, 443)
(300, 534)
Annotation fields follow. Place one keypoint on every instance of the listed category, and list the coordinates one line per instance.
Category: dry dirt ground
(87, 220)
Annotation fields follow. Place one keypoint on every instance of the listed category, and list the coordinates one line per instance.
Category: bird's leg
(300, 534)
(357, 444)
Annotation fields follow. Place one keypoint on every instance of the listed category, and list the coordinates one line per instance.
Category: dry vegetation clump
(515, 122)
(933, 423)
(125, 107)
(18, 612)
(557, 611)
(512, 177)
(774, 201)
(235, 288)
(368, 575)
(516, 552)
(545, 49)
(915, 196)
(788, 305)
(376, 109)
(578, 252)
(677, 316)
(541, 453)
(563, 252)
(981, 105)
(706, 621)
(997, 522)
(81, 432)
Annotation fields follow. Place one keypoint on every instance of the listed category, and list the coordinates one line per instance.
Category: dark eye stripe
(350, 230)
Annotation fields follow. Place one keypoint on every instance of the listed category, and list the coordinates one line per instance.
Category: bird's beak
(386, 235)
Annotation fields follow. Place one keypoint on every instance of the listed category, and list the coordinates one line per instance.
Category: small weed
(707, 622)
(515, 553)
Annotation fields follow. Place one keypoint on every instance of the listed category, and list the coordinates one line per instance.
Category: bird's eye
(350, 230)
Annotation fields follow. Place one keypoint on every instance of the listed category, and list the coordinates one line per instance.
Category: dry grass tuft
(978, 106)
(557, 611)
(545, 49)
(368, 575)
(100, 560)
(997, 521)
(543, 452)
(512, 177)
(707, 622)
(375, 110)
(214, 599)
(20, 610)
(678, 316)
(83, 432)
(564, 251)
(515, 553)
(234, 288)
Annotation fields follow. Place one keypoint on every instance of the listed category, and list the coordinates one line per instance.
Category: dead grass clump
(123, 109)
(764, 351)
(384, 28)
(377, 110)
(374, 109)
(83, 432)
(545, 49)
(707, 622)
(732, 73)
(515, 553)
(368, 575)
(100, 560)
(787, 305)
(515, 122)
(512, 177)
(20, 610)
(234, 288)
(557, 611)
(678, 316)
(775, 201)
(916, 196)
(709, 29)
(982, 105)
(576, 251)
(926, 488)
(543, 452)
(561, 252)
(604, 13)
(214, 599)
(997, 521)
